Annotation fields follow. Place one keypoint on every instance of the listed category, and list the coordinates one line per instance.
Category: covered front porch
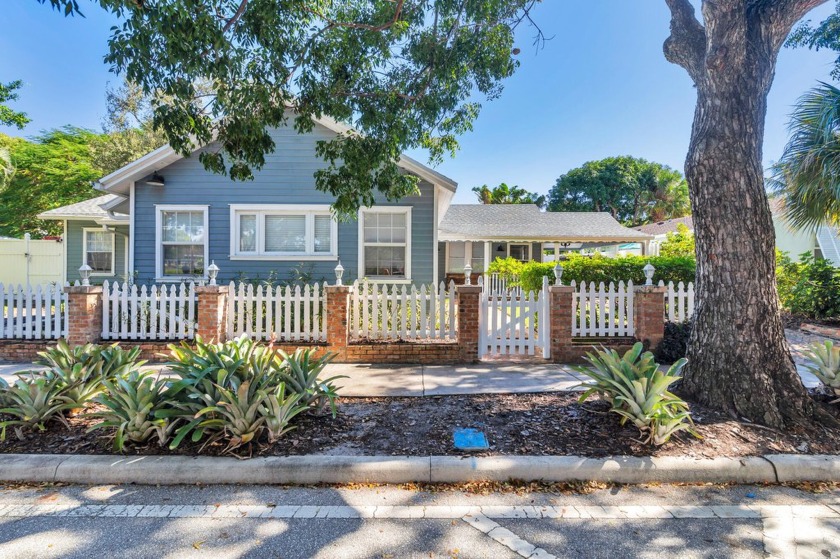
(477, 235)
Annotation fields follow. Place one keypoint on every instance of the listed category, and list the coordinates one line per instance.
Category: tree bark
(738, 358)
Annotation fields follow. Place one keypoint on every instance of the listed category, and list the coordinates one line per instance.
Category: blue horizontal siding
(74, 245)
(286, 178)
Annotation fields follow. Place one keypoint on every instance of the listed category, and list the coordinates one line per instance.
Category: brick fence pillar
(337, 329)
(560, 307)
(212, 312)
(469, 299)
(84, 314)
(649, 314)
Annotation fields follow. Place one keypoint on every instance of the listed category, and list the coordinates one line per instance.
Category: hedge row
(597, 269)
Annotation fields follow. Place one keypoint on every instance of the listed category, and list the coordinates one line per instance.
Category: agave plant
(279, 409)
(638, 391)
(825, 365)
(33, 402)
(237, 416)
(131, 403)
(301, 372)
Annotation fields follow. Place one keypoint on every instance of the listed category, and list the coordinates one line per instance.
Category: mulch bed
(537, 424)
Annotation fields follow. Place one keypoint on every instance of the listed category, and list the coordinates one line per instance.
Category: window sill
(387, 280)
(286, 257)
(180, 279)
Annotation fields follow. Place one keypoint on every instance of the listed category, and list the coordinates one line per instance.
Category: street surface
(389, 522)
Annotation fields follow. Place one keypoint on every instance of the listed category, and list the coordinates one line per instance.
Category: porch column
(488, 254)
(556, 251)
(467, 256)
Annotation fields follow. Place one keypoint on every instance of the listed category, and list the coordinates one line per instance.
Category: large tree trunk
(738, 357)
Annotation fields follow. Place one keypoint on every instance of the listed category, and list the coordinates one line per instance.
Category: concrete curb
(310, 469)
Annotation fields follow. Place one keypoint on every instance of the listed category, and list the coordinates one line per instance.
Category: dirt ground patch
(536, 424)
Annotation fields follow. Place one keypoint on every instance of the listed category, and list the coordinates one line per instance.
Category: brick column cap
(649, 289)
(561, 289)
(468, 288)
(84, 289)
(219, 289)
(337, 288)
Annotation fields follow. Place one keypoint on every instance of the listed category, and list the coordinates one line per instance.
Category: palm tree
(808, 175)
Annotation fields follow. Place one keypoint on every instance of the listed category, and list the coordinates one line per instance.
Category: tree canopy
(404, 74)
(504, 194)
(635, 191)
(8, 116)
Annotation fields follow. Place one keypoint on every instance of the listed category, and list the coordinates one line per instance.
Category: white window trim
(388, 210)
(262, 210)
(159, 209)
(528, 245)
(85, 231)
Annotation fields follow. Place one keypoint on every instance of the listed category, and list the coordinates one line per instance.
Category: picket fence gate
(602, 310)
(679, 301)
(277, 313)
(513, 323)
(33, 313)
(396, 312)
(159, 312)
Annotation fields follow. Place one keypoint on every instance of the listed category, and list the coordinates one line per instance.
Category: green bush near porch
(580, 268)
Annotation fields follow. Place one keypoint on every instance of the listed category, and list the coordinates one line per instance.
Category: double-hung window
(457, 256)
(99, 251)
(385, 242)
(283, 232)
(181, 241)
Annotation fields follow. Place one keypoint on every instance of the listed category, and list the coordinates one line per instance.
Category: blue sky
(599, 87)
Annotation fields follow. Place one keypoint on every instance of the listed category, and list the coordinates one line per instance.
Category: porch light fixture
(156, 180)
(558, 274)
(649, 270)
(212, 272)
(467, 275)
(339, 272)
(84, 273)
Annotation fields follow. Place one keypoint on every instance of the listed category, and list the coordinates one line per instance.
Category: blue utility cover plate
(470, 440)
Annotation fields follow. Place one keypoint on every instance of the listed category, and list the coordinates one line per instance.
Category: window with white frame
(181, 241)
(457, 253)
(283, 232)
(385, 243)
(99, 251)
(521, 252)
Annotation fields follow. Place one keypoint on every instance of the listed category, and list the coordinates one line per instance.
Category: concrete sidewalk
(424, 380)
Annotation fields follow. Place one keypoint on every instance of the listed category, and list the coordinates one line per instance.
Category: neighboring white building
(823, 242)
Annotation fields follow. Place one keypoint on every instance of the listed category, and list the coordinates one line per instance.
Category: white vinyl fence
(514, 323)
(679, 301)
(602, 310)
(159, 312)
(279, 313)
(398, 312)
(33, 312)
(28, 262)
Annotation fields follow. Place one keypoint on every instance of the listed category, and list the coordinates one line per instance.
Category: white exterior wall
(45, 262)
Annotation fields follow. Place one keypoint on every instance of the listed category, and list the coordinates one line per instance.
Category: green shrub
(678, 243)
(638, 391)
(131, 403)
(33, 401)
(507, 268)
(824, 363)
(810, 287)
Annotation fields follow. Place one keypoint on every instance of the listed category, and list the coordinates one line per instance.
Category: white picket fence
(679, 301)
(496, 283)
(602, 310)
(159, 312)
(397, 312)
(33, 312)
(277, 313)
(514, 323)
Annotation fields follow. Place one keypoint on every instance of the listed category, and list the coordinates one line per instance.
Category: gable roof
(667, 226)
(120, 180)
(86, 209)
(526, 222)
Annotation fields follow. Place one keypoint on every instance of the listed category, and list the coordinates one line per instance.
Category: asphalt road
(389, 522)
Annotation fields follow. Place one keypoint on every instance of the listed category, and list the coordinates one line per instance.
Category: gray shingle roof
(667, 226)
(85, 209)
(475, 222)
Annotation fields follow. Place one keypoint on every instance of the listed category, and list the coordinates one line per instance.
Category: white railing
(679, 301)
(159, 312)
(33, 313)
(514, 323)
(496, 283)
(397, 312)
(281, 313)
(602, 310)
